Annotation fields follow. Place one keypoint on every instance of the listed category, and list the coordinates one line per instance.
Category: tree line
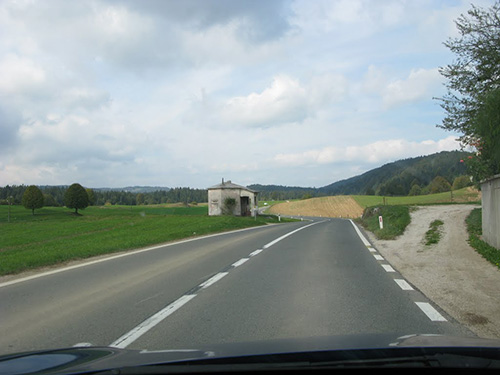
(54, 196)
(472, 101)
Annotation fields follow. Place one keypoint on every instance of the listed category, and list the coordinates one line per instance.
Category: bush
(395, 218)
(474, 227)
(228, 207)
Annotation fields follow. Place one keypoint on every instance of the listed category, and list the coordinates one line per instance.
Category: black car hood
(80, 360)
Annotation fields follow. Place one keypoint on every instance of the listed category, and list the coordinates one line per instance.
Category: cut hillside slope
(336, 206)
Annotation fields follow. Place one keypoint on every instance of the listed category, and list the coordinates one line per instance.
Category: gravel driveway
(451, 273)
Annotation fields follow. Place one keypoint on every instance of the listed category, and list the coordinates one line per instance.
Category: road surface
(301, 279)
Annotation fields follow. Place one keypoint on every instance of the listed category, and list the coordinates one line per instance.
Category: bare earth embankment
(450, 273)
(334, 206)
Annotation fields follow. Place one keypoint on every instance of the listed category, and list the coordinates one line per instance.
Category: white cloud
(373, 153)
(285, 101)
(420, 84)
(19, 75)
(173, 93)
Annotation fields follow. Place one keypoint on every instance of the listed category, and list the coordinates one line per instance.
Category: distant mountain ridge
(421, 170)
(136, 189)
(396, 178)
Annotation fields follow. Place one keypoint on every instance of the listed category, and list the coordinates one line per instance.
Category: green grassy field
(459, 196)
(55, 235)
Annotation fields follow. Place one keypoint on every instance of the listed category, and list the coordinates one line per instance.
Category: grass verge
(433, 235)
(474, 227)
(395, 220)
(465, 196)
(54, 235)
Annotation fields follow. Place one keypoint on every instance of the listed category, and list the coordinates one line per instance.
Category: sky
(185, 93)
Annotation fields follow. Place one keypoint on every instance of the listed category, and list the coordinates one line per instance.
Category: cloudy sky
(184, 93)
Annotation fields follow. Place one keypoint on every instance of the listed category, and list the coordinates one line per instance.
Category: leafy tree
(369, 191)
(49, 200)
(472, 102)
(439, 185)
(76, 197)
(32, 198)
(415, 190)
(460, 182)
(139, 199)
(91, 195)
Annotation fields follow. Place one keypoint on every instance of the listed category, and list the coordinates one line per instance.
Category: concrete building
(490, 202)
(231, 199)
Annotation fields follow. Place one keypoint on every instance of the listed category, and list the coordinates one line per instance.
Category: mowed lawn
(54, 235)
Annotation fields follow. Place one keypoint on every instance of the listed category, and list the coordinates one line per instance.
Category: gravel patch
(450, 273)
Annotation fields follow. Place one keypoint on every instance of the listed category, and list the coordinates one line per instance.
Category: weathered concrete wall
(490, 201)
(216, 199)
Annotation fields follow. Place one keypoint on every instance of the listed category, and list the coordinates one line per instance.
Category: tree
(49, 200)
(439, 185)
(415, 190)
(472, 102)
(91, 195)
(460, 182)
(32, 198)
(139, 199)
(76, 197)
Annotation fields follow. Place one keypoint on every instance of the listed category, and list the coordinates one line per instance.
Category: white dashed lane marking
(426, 307)
(134, 334)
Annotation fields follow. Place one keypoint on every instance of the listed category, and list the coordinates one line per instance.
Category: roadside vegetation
(395, 221)
(433, 235)
(464, 195)
(55, 235)
(474, 227)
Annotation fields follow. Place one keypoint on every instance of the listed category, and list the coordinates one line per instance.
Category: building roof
(229, 185)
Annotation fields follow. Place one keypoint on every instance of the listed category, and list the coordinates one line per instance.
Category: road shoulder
(450, 273)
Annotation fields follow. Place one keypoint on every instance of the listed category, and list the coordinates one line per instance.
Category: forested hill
(279, 192)
(398, 177)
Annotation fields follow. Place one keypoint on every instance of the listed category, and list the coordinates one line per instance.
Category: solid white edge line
(213, 280)
(149, 323)
(403, 284)
(128, 253)
(240, 262)
(431, 312)
(365, 241)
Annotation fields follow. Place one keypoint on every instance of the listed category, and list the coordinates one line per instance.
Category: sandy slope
(335, 206)
(450, 273)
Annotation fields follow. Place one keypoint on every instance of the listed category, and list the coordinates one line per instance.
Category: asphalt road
(303, 279)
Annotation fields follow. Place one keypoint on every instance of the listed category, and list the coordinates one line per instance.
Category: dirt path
(451, 273)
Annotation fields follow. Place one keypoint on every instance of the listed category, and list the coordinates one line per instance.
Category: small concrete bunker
(228, 198)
